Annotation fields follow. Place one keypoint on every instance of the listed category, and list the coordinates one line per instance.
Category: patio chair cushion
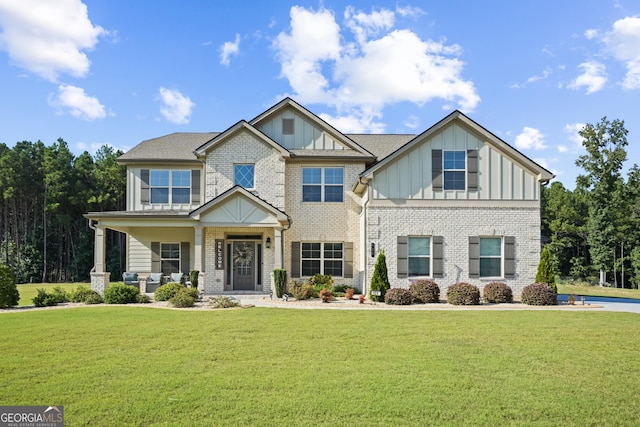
(176, 277)
(130, 277)
(154, 278)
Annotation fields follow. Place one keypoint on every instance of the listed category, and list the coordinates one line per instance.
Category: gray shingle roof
(176, 146)
(381, 145)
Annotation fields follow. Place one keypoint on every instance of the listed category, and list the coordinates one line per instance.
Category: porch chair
(130, 278)
(154, 281)
(177, 277)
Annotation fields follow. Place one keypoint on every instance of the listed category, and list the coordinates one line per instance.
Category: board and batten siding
(306, 135)
(499, 178)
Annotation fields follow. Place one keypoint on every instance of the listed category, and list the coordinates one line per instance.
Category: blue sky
(118, 72)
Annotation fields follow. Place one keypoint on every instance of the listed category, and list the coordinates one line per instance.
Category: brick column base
(100, 282)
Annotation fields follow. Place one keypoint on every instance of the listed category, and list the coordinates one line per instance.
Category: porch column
(277, 247)
(99, 249)
(197, 259)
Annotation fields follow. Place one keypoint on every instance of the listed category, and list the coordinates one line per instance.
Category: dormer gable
(240, 126)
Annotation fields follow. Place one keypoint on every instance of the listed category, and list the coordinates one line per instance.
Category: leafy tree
(9, 295)
(380, 278)
(546, 273)
(605, 143)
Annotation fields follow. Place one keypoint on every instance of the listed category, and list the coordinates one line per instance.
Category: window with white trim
(454, 167)
(490, 257)
(170, 257)
(244, 175)
(322, 258)
(419, 256)
(322, 184)
(170, 186)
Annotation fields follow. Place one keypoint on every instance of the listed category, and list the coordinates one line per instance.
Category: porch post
(277, 247)
(197, 259)
(99, 249)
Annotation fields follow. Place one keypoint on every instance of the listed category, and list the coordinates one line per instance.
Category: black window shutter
(144, 186)
(184, 257)
(436, 170)
(348, 260)
(403, 257)
(155, 257)
(438, 264)
(474, 256)
(195, 186)
(472, 170)
(509, 256)
(295, 259)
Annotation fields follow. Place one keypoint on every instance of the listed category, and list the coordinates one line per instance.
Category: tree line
(593, 232)
(44, 191)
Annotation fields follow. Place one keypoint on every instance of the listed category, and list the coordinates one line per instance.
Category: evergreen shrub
(425, 291)
(463, 293)
(539, 294)
(167, 291)
(9, 295)
(119, 293)
(398, 296)
(497, 292)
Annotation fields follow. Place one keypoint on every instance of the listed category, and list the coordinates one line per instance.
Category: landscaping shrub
(320, 282)
(280, 281)
(463, 294)
(425, 291)
(539, 294)
(348, 294)
(182, 299)
(398, 296)
(300, 290)
(9, 295)
(193, 278)
(142, 299)
(81, 293)
(497, 292)
(43, 299)
(223, 301)
(546, 271)
(380, 278)
(93, 298)
(59, 295)
(167, 291)
(119, 293)
(325, 295)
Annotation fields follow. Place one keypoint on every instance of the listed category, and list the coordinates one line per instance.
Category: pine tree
(380, 279)
(546, 273)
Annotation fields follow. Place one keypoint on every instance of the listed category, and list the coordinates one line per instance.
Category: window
(490, 257)
(170, 257)
(288, 127)
(164, 184)
(419, 256)
(454, 167)
(322, 184)
(322, 258)
(244, 175)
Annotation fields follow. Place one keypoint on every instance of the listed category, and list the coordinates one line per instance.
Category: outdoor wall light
(267, 243)
(373, 250)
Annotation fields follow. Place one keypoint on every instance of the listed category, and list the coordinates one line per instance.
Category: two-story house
(288, 190)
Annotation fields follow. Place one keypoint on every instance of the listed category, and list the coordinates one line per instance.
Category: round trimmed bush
(9, 295)
(182, 299)
(93, 298)
(119, 293)
(167, 291)
(539, 294)
(398, 296)
(425, 291)
(463, 294)
(497, 292)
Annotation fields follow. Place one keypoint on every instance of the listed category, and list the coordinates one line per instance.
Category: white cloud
(562, 148)
(623, 42)
(175, 106)
(530, 138)
(228, 49)
(382, 66)
(78, 103)
(591, 34)
(412, 122)
(571, 131)
(594, 77)
(411, 11)
(48, 38)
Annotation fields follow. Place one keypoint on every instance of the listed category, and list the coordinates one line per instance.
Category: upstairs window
(170, 186)
(454, 168)
(322, 184)
(244, 175)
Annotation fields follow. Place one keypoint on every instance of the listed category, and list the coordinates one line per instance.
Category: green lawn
(28, 291)
(597, 291)
(117, 366)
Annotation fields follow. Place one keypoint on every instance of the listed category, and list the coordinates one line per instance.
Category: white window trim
(480, 257)
(170, 186)
(254, 174)
(430, 256)
(322, 184)
(445, 170)
(171, 259)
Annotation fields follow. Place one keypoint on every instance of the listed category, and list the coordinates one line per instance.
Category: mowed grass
(117, 366)
(29, 291)
(597, 291)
